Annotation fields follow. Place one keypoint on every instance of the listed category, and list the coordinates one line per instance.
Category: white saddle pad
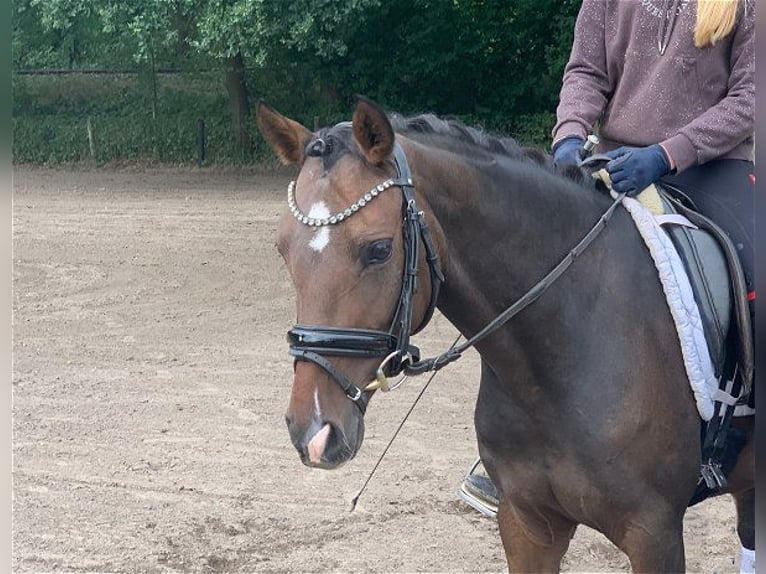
(683, 307)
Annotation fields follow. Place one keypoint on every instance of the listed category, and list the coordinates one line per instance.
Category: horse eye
(379, 251)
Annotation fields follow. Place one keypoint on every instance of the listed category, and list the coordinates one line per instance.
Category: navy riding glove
(632, 169)
(567, 151)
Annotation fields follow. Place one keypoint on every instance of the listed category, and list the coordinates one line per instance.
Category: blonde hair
(715, 20)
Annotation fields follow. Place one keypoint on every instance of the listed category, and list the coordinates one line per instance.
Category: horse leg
(745, 502)
(654, 544)
(525, 549)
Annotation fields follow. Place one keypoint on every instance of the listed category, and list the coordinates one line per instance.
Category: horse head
(345, 242)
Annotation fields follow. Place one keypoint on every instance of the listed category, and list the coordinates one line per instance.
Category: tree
(238, 30)
(230, 32)
(493, 62)
(482, 59)
(58, 34)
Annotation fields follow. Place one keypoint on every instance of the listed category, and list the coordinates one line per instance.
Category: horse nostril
(296, 434)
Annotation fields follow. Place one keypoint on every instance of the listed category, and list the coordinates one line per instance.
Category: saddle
(718, 283)
(719, 288)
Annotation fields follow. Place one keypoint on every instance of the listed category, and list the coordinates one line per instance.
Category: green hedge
(50, 114)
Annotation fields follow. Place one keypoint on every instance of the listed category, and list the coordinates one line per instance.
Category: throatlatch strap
(415, 227)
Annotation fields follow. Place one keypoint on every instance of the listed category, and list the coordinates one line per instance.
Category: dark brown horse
(584, 413)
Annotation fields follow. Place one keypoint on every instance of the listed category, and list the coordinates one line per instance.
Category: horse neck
(503, 225)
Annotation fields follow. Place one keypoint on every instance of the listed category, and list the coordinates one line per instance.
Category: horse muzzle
(325, 444)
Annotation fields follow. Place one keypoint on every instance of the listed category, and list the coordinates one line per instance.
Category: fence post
(316, 123)
(92, 147)
(202, 144)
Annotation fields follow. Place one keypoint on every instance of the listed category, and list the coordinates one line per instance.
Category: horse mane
(458, 136)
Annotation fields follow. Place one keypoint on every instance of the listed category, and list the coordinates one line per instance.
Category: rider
(669, 85)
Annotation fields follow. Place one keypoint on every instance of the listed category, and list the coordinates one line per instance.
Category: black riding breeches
(724, 191)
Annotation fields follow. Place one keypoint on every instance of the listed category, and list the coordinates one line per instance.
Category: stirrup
(475, 491)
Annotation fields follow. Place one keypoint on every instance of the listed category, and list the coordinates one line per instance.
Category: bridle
(314, 343)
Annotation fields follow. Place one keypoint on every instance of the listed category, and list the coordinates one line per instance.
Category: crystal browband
(341, 215)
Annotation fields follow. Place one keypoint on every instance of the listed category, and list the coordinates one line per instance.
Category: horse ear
(286, 137)
(372, 131)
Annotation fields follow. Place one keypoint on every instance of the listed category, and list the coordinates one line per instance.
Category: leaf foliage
(497, 63)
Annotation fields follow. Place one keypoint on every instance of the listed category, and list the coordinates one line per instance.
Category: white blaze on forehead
(322, 234)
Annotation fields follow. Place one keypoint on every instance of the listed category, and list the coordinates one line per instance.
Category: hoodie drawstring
(667, 23)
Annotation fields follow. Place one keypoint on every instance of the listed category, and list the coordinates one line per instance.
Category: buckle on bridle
(381, 380)
(355, 395)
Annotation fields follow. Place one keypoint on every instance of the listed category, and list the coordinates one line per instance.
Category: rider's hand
(632, 169)
(567, 151)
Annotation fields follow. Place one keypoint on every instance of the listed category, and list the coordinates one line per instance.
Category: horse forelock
(336, 141)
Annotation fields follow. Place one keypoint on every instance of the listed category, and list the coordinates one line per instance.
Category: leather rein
(316, 342)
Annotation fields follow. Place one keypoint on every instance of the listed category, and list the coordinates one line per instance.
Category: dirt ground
(150, 380)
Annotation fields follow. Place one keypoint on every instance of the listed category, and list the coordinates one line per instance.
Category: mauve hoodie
(635, 61)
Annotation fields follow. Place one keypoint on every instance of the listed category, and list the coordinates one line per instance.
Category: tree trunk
(238, 105)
